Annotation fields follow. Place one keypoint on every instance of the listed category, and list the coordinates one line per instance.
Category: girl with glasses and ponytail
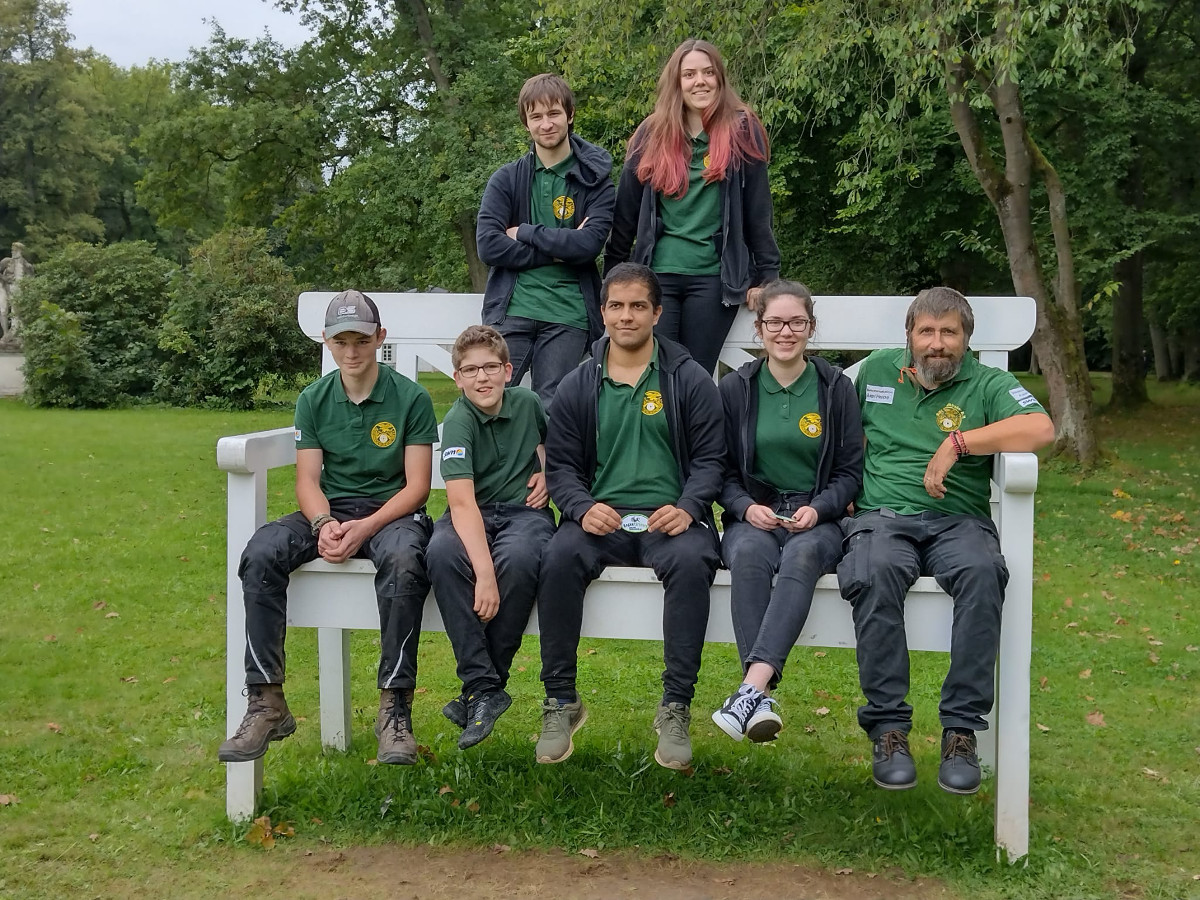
(794, 457)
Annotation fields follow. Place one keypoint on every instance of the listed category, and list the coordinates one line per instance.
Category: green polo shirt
(551, 293)
(363, 443)
(904, 424)
(686, 246)
(635, 461)
(787, 436)
(499, 453)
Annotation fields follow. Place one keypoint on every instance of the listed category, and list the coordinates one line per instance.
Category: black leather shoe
(893, 767)
(484, 710)
(959, 771)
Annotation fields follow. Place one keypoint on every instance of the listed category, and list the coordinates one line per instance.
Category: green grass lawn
(112, 698)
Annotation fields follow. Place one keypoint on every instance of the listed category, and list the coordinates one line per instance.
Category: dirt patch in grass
(401, 873)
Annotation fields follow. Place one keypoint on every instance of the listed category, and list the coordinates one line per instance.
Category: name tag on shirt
(879, 394)
(1023, 396)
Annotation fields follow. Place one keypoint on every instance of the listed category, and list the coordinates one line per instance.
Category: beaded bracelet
(960, 444)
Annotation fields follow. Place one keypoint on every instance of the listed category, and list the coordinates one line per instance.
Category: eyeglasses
(492, 368)
(797, 326)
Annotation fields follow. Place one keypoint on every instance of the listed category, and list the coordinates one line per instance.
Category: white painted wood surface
(627, 602)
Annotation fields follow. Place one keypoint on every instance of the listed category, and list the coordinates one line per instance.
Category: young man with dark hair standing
(364, 458)
(634, 460)
(542, 222)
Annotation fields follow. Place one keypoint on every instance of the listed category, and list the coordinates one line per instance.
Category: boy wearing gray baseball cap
(364, 457)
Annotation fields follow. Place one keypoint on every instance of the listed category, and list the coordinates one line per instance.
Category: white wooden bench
(626, 602)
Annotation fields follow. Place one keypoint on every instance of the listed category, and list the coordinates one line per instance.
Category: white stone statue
(12, 270)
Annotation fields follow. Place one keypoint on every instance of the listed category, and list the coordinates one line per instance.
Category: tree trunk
(1058, 334)
(1191, 358)
(1128, 371)
(1175, 354)
(1162, 354)
(475, 267)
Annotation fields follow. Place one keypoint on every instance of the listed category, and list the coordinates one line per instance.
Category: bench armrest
(1016, 473)
(258, 451)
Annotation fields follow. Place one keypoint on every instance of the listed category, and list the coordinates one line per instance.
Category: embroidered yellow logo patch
(564, 207)
(949, 418)
(652, 403)
(810, 425)
(707, 159)
(383, 434)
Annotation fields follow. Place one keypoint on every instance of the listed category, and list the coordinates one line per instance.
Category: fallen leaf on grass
(426, 754)
(1153, 657)
(844, 872)
(590, 853)
(130, 679)
(819, 654)
(445, 789)
(99, 604)
(1068, 603)
(317, 821)
(1042, 682)
(500, 848)
(1071, 625)
(1120, 494)
(669, 799)
(386, 804)
(1086, 673)
(809, 729)
(1191, 648)
(55, 727)
(1041, 727)
(112, 615)
(11, 799)
(591, 651)
(169, 679)
(1122, 516)
(420, 690)
(722, 770)
(50, 638)
(372, 762)
(1095, 717)
(822, 710)
(473, 807)
(1149, 773)
(93, 837)
(260, 833)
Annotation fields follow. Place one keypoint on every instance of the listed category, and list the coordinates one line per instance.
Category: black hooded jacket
(693, 410)
(839, 464)
(745, 241)
(505, 203)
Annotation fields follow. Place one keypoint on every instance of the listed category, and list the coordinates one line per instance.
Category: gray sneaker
(559, 722)
(674, 745)
(397, 746)
(267, 719)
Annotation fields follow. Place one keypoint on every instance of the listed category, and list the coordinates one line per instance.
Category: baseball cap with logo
(351, 311)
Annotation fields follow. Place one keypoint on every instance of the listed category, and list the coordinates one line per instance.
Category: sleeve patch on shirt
(879, 394)
(454, 453)
(1029, 400)
(1020, 394)
(298, 437)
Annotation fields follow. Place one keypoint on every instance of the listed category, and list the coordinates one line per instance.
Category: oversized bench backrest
(423, 326)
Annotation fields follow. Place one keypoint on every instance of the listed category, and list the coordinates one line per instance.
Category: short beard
(937, 371)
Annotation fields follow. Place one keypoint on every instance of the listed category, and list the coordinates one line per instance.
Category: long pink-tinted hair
(735, 133)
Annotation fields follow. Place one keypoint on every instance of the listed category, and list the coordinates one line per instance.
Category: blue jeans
(885, 554)
(551, 350)
(767, 620)
(515, 536)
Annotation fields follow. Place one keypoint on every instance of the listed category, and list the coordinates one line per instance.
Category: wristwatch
(319, 522)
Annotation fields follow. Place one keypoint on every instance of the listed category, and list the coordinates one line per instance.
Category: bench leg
(333, 660)
(243, 783)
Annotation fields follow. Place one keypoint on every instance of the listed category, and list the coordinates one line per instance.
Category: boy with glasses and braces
(486, 550)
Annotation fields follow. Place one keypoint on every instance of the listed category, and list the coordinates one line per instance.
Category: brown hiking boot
(397, 746)
(267, 719)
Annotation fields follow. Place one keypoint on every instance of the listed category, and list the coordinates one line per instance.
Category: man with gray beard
(933, 416)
